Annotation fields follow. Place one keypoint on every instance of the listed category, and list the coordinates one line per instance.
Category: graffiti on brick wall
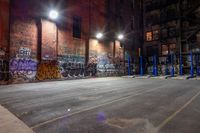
(104, 65)
(119, 65)
(72, 65)
(3, 69)
(24, 52)
(91, 68)
(24, 69)
(48, 70)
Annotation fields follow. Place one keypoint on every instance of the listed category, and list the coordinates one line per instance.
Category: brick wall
(62, 55)
(4, 30)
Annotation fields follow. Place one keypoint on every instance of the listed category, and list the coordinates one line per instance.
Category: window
(172, 48)
(155, 35)
(152, 50)
(77, 26)
(164, 49)
(149, 50)
(164, 33)
(149, 36)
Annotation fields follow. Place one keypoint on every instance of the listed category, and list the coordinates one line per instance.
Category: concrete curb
(159, 77)
(142, 77)
(11, 124)
(185, 77)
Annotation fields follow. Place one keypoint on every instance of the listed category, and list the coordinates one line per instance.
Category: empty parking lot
(106, 105)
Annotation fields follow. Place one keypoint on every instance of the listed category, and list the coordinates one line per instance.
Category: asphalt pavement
(106, 105)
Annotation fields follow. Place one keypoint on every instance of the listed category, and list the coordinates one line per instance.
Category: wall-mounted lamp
(53, 14)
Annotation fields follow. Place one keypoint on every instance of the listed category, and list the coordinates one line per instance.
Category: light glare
(99, 35)
(120, 37)
(53, 14)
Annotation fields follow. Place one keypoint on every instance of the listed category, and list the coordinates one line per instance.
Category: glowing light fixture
(99, 35)
(53, 14)
(120, 36)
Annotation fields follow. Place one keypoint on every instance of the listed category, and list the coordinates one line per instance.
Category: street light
(99, 35)
(120, 36)
(53, 14)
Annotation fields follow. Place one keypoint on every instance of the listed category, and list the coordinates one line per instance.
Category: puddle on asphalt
(133, 125)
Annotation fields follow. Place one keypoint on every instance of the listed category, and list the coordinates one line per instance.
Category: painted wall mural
(72, 66)
(105, 65)
(23, 69)
(102, 62)
(48, 70)
(71, 56)
(23, 47)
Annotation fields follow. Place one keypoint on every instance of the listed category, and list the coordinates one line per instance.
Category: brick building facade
(34, 47)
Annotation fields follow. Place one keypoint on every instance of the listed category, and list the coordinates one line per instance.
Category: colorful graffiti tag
(72, 66)
(91, 68)
(48, 70)
(24, 52)
(104, 65)
(24, 69)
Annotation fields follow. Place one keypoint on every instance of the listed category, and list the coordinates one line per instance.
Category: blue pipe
(129, 66)
(141, 67)
(198, 67)
(133, 66)
(172, 63)
(181, 65)
(167, 64)
(155, 66)
(191, 65)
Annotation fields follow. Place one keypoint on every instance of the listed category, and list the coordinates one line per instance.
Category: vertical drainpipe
(88, 36)
(179, 38)
(9, 42)
(141, 63)
(39, 40)
(197, 64)
(56, 41)
(129, 65)
(155, 66)
(191, 65)
(172, 65)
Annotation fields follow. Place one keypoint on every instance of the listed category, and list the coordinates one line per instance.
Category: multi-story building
(127, 16)
(170, 26)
